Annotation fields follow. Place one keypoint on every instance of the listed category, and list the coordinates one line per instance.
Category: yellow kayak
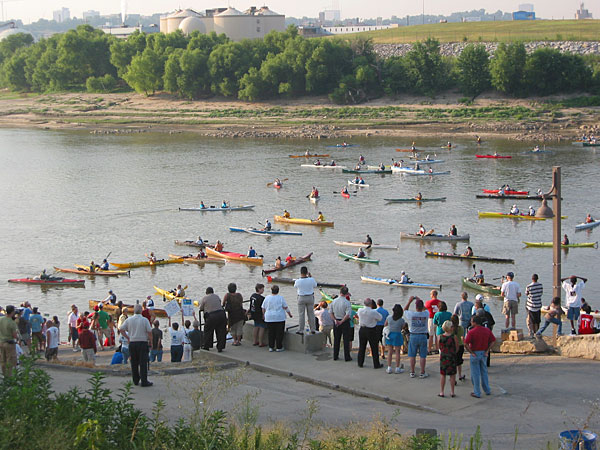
(550, 244)
(170, 295)
(100, 271)
(133, 265)
(496, 215)
(303, 221)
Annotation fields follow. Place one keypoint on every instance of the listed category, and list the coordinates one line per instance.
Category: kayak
(309, 156)
(54, 281)
(414, 200)
(584, 226)
(113, 309)
(493, 156)
(297, 221)
(232, 256)
(133, 265)
(534, 152)
(551, 244)
(471, 258)
(218, 208)
(196, 260)
(502, 197)
(495, 191)
(329, 298)
(167, 294)
(392, 282)
(429, 161)
(253, 230)
(322, 166)
(314, 199)
(434, 237)
(292, 263)
(352, 183)
(496, 215)
(277, 186)
(100, 273)
(483, 287)
(190, 244)
(342, 145)
(356, 258)
(345, 194)
(591, 144)
(367, 171)
(283, 280)
(364, 244)
(413, 171)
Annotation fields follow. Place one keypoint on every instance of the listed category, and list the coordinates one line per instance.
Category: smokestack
(123, 11)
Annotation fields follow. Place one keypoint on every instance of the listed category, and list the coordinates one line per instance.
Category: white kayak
(215, 208)
(352, 183)
(585, 226)
(322, 166)
(413, 171)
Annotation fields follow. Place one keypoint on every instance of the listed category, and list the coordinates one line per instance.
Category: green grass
(502, 31)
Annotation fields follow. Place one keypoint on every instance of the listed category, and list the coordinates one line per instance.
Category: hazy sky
(31, 10)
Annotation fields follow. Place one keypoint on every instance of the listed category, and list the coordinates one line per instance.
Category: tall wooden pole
(556, 247)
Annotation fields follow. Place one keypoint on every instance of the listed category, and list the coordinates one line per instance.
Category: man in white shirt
(417, 326)
(305, 285)
(368, 318)
(511, 291)
(573, 289)
(52, 338)
(340, 311)
(137, 330)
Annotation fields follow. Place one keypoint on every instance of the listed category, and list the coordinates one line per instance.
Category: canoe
(551, 244)
(352, 183)
(414, 200)
(232, 256)
(116, 272)
(584, 226)
(160, 262)
(435, 237)
(303, 221)
(253, 230)
(388, 171)
(190, 244)
(292, 263)
(392, 282)
(356, 258)
(470, 258)
(100, 273)
(345, 194)
(309, 156)
(365, 245)
(323, 166)
(284, 280)
(112, 309)
(497, 215)
(503, 197)
(484, 287)
(54, 281)
(218, 208)
(495, 191)
(195, 260)
(329, 298)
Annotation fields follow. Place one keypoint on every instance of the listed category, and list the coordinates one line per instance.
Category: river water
(70, 197)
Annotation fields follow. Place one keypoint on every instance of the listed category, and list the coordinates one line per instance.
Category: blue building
(523, 15)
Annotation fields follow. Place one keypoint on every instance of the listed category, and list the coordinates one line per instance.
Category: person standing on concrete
(380, 324)
(8, 341)
(87, 343)
(463, 310)
(417, 327)
(511, 291)
(534, 292)
(478, 343)
(215, 320)
(432, 306)
(368, 318)
(274, 309)
(341, 312)
(573, 289)
(137, 330)
(305, 286)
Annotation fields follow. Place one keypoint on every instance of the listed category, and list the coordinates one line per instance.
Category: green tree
(172, 73)
(507, 68)
(123, 51)
(13, 72)
(473, 66)
(229, 62)
(394, 75)
(107, 83)
(194, 81)
(425, 69)
(329, 62)
(145, 72)
(252, 86)
(548, 71)
(10, 44)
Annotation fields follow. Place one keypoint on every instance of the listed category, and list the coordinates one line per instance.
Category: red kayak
(277, 186)
(493, 156)
(54, 281)
(495, 191)
(345, 195)
(292, 263)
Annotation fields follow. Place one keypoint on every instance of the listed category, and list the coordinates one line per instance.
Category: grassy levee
(501, 31)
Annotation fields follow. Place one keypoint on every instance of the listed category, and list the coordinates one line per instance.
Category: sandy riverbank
(312, 118)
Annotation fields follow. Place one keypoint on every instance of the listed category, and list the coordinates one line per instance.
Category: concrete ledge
(125, 370)
(583, 346)
(293, 342)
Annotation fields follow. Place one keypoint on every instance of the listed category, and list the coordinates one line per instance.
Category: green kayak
(356, 258)
(484, 287)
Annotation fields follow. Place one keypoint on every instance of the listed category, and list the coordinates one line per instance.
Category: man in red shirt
(87, 343)
(478, 342)
(432, 305)
(146, 312)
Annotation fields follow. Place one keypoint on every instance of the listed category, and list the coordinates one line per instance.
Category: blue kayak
(252, 230)
(392, 282)
(342, 145)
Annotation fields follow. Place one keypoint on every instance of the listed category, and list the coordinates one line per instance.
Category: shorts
(51, 353)
(236, 328)
(260, 324)
(417, 343)
(38, 335)
(106, 333)
(510, 307)
(535, 317)
(431, 327)
(459, 355)
(394, 339)
(74, 334)
(573, 313)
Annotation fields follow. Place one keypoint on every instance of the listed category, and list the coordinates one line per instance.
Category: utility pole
(2, 2)
(423, 16)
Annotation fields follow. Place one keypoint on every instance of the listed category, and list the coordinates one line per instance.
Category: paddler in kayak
(179, 291)
(112, 298)
(278, 263)
(332, 164)
(344, 191)
(479, 278)
(368, 241)
(565, 240)
(104, 265)
(356, 180)
(417, 166)
(317, 162)
(453, 231)
(361, 253)
(314, 193)
(478, 139)
(277, 182)
(224, 204)
(589, 219)
(403, 278)
(382, 166)
(514, 210)
(202, 205)
(449, 144)
(360, 180)
(357, 167)
(413, 147)
(44, 275)
(200, 255)
(536, 149)
(421, 231)
(199, 241)
(531, 211)
(320, 217)
(251, 253)
(289, 258)
(361, 159)
(152, 258)
(219, 246)
(267, 226)
(286, 214)
(92, 267)
(468, 252)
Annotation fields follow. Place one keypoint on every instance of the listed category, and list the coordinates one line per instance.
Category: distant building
(471, 19)
(582, 13)
(527, 7)
(89, 14)
(61, 15)
(123, 32)
(356, 28)
(523, 15)
(330, 16)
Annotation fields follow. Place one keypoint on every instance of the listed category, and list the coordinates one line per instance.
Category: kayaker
(251, 253)
(401, 163)
(344, 144)
(199, 241)
(536, 149)
(345, 190)
(307, 153)
(92, 267)
(479, 278)
(495, 153)
(468, 251)
(286, 214)
(361, 159)
(501, 192)
(514, 210)
(202, 206)
(403, 278)
(449, 145)
(104, 265)
(317, 162)
(531, 211)
(356, 180)
(412, 147)
(565, 240)
(277, 182)
(268, 224)
(112, 298)
(44, 275)
(417, 167)
(314, 193)
(357, 167)
(278, 263)
(321, 217)
(382, 166)
(478, 139)
(224, 204)
(453, 231)
(219, 246)
(430, 170)
(289, 258)
(368, 241)
(361, 253)
(361, 181)
(201, 255)
(179, 291)
(589, 219)
(332, 163)
(421, 231)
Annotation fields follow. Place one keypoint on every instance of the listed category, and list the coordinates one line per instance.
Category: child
(124, 348)
(448, 351)
(586, 320)
(459, 333)
(553, 316)
(394, 339)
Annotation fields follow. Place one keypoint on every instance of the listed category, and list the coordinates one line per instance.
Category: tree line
(282, 65)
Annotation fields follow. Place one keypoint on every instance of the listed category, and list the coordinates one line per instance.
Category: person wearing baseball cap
(417, 326)
(511, 292)
(480, 298)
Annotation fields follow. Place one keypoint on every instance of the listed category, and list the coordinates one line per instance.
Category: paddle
(109, 253)
(272, 182)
